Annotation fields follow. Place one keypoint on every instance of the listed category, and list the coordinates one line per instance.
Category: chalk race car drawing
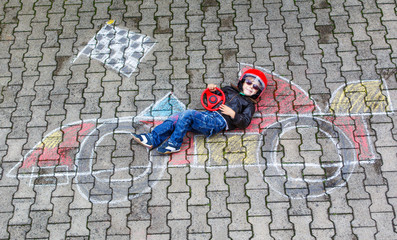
(97, 157)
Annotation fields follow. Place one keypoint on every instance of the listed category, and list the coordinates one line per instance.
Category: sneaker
(167, 148)
(143, 139)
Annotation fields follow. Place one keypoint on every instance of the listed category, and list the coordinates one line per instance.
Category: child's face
(248, 89)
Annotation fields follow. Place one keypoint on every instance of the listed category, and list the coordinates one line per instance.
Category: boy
(236, 112)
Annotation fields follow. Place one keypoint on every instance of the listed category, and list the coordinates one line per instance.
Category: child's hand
(211, 87)
(227, 111)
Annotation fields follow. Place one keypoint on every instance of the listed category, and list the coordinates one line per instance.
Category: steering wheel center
(210, 100)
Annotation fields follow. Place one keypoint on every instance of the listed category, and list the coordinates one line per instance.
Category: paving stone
(21, 212)
(323, 18)
(220, 192)
(374, 21)
(365, 232)
(260, 227)
(227, 40)
(42, 203)
(239, 217)
(76, 228)
(378, 41)
(240, 234)
(357, 189)
(369, 69)
(118, 222)
(341, 24)
(219, 231)
(178, 228)
(391, 186)
(320, 216)
(197, 173)
(6, 206)
(5, 216)
(280, 219)
(18, 231)
(236, 188)
(80, 200)
(199, 236)
(323, 233)
(118, 236)
(385, 141)
(158, 223)
(39, 224)
(299, 207)
(139, 209)
(342, 226)
(340, 204)
(211, 33)
(282, 234)
(60, 210)
(378, 196)
(359, 32)
(139, 229)
(362, 217)
(301, 226)
(197, 190)
(218, 206)
(257, 198)
(178, 206)
(199, 223)
(385, 225)
(389, 26)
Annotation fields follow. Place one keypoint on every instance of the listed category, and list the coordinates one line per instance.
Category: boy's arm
(227, 111)
(243, 120)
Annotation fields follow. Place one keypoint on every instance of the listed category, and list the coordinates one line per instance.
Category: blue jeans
(176, 126)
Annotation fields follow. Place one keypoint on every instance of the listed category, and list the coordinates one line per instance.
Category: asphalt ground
(319, 160)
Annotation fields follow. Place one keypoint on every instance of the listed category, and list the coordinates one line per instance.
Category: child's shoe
(143, 139)
(167, 148)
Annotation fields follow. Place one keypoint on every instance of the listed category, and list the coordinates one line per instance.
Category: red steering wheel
(212, 99)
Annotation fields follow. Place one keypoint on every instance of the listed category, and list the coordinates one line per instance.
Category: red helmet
(258, 75)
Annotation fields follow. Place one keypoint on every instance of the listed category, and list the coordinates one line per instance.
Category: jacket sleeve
(243, 119)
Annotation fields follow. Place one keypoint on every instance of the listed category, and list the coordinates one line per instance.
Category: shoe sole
(165, 153)
(140, 142)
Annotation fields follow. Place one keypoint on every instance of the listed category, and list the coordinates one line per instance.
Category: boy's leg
(182, 126)
(210, 123)
(159, 134)
(207, 123)
(163, 131)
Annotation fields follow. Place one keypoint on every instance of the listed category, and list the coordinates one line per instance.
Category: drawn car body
(67, 153)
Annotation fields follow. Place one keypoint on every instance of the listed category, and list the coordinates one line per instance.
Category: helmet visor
(260, 86)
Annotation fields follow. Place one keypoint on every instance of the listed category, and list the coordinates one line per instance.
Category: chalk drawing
(162, 109)
(286, 107)
(130, 181)
(70, 152)
(359, 98)
(119, 49)
(318, 179)
(58, 147)
(232, 147)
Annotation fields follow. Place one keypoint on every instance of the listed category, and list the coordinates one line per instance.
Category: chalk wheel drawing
(118, 184)
(307, 178)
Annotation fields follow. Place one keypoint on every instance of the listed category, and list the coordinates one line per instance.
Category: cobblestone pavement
(317, 162)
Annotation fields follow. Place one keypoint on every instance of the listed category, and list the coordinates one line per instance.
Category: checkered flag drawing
(118, 48)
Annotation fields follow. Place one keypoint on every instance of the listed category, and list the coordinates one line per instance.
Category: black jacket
(243, 106)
